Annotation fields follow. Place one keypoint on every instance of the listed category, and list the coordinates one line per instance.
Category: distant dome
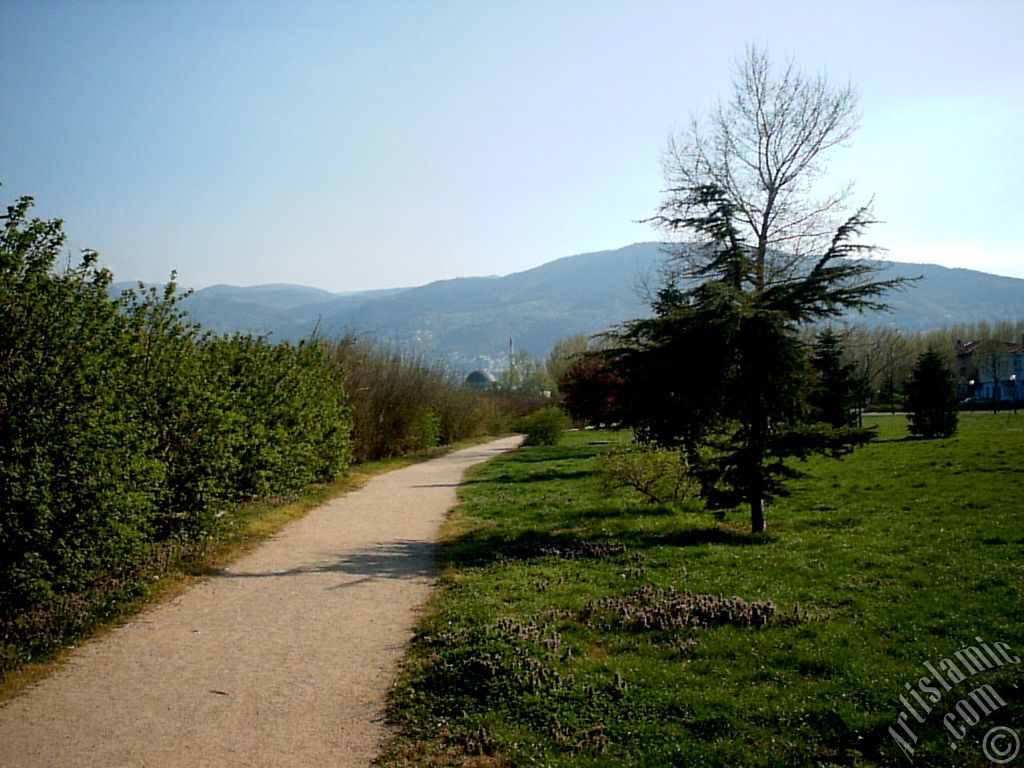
(481, 379)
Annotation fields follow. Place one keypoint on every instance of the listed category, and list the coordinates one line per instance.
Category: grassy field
(578, 628)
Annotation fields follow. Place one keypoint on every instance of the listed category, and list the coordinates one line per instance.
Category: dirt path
(285, 659)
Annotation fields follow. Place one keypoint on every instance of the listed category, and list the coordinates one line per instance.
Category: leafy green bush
(659, 475)
(544, 427)
(76, 464)
(127, 433)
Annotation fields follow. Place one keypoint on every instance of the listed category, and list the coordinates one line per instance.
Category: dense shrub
(128, 435)
(125, 431)
(402, 403)
(290, 401)
(591, 391)
(544, 427)
(76, 466)
(658, 475)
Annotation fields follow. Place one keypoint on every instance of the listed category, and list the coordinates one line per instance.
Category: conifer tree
(931, 397)
(720, 370)
(834, 396)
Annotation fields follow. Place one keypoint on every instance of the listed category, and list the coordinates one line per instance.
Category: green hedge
(128, 435)
(125, 430)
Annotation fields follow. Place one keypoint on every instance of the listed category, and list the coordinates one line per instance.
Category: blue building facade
(990, 370)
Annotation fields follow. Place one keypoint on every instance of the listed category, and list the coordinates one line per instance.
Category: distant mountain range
(468, 321)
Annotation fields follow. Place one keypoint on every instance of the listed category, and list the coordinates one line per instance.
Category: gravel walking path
(284, 659)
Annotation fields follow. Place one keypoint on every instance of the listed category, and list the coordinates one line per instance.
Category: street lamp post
(1013, 388)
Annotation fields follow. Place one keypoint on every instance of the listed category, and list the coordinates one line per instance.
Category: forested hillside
(468, 321)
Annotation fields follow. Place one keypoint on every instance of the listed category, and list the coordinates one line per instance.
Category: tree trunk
(756, 514)
(757, 446)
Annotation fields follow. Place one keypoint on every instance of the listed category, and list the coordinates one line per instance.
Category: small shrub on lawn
(545, 427)
(659, 475)
(931, 397)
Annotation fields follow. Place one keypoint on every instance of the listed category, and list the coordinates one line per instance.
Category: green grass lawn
(564, 634)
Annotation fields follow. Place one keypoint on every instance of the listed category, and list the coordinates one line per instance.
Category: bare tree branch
(765, 148)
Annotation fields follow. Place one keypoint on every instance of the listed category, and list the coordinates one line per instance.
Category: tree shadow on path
(392, 560)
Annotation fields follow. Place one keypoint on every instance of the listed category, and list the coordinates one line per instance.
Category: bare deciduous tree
(765, 148)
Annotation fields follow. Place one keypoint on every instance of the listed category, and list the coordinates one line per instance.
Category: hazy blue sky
(355, 145)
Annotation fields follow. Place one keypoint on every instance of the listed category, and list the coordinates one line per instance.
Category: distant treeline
(127, 433)
(878, 362)
(883, 358)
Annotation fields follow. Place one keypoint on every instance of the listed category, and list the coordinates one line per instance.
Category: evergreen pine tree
(834, 397)
(931, 397)
(720, 369)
